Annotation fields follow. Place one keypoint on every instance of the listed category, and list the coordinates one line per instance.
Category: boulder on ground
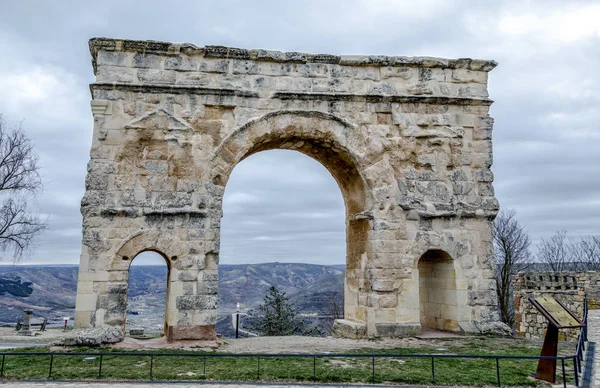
(92, 337)
(348, 329)
(494, 328)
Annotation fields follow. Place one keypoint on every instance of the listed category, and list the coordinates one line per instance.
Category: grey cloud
(284, 206)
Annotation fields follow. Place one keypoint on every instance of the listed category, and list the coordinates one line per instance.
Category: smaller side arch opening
(147, 294)
(437, 291)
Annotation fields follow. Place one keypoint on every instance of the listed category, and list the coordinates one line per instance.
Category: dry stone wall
(568, 287)
(407, 139)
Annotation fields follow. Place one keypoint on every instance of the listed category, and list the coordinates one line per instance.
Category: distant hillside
(50, 290)
(321, 296)
(248, 284)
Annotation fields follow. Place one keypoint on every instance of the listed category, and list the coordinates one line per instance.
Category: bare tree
(19, 182)
(511, 246)
(333, 310)
(556, 252)
(585, 253)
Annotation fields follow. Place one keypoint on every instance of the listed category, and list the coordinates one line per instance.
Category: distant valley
(50, 291)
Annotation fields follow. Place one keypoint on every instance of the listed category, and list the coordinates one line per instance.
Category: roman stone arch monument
(407, 139)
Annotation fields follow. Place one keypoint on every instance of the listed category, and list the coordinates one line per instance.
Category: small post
(576, 370)
(26, 328)
(100, 368)
(563, 373)
(547, 367)
(151, 367)
(373, 370)
(51, 362)
(237, 321)
(432, 371)
(2, 369)
(204, 368)
(314, 368)
(258, 369)
(498, 370)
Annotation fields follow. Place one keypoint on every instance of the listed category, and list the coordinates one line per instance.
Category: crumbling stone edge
(150, 46)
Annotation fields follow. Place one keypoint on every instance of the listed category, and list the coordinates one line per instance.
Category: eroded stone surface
(407, 139)
(92, 337)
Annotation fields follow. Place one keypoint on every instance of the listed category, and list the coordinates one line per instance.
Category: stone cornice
(166, 48)
(372, 98)
(171, 89)
(138, 211)
(377, 98)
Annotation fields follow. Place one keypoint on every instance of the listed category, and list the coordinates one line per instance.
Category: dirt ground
(295, 344)
(274, 345)
(304, 345)
(9, 338)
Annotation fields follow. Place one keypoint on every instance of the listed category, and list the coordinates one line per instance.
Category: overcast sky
(283, 206)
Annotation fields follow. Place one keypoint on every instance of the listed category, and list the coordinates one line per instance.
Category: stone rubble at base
(91, 337)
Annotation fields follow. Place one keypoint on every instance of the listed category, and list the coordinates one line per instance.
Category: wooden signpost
(559, 317)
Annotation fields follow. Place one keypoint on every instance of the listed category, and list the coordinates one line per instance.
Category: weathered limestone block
(92, 337)
(407, 139)
(397, 330)
(348, 329)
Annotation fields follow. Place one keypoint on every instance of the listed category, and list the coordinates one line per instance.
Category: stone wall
(407, 139)
(568, 287)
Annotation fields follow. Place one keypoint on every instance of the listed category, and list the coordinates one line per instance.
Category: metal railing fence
(576, 358)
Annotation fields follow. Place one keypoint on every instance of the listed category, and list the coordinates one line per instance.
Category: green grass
(472, 372)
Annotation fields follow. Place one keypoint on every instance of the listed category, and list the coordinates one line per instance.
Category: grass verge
(398, 369)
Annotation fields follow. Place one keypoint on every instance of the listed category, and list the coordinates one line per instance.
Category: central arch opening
(333, 143)
(283, 225)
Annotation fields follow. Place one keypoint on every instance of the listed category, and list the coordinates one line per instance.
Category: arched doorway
(283, 224)
(331, 142)
(437, 291)
(147, 294)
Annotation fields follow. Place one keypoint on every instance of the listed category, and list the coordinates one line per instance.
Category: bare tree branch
(585, 253)
(334, 310)
(556, 252)
(511, 246)
(19, 182)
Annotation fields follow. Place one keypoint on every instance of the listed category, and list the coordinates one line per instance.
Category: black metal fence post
(563, 373)
(51, 362)
(100, 368)
(151, 367)
(498, 371)
(2, 369)
(314, 368)
(204, 368)
(373, 370)
(432, 371)
(576, 370)
(258, 369)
